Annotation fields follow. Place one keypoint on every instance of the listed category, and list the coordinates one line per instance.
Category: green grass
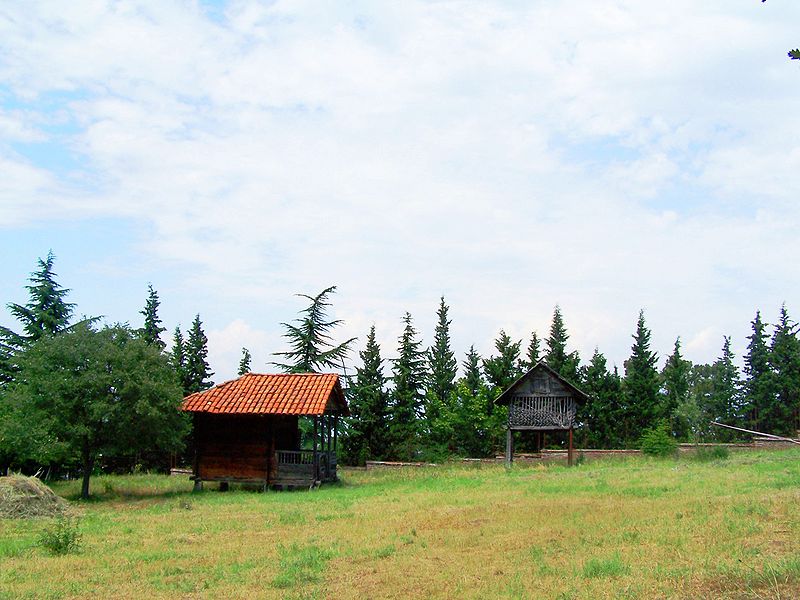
(627, 527)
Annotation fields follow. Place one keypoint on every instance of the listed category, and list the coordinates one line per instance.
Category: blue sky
(605, 156)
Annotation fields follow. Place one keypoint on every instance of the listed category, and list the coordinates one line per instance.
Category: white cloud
(608, 156)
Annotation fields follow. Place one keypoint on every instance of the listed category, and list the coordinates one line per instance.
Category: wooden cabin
(247, 430)
(540, 401)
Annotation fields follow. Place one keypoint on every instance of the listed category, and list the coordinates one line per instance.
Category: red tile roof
(284, 394)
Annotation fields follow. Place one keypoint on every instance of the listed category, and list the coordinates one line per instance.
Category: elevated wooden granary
(247, 430)
(541, 400)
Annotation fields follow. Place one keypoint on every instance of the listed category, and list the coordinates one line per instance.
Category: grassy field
(625, 528)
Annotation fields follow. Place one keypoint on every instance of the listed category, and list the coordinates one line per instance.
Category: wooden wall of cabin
(242, 446)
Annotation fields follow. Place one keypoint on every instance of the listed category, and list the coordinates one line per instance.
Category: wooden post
(569, 452)
(316, 455)
(335, 431)
(509, 447)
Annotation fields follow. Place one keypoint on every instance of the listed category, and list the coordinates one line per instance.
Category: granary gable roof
(505, 397)
(281, 394)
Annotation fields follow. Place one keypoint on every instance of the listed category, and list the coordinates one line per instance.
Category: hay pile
(25, 497)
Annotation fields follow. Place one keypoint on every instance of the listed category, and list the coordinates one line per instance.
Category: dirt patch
(27, 497)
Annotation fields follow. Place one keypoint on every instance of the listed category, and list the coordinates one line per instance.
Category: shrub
(658, 441)
(62, 537)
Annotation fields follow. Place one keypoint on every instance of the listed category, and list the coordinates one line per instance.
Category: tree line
(77, 395)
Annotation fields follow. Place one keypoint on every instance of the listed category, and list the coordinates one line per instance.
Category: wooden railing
(300, 463)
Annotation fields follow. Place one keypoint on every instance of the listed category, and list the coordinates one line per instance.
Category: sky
(605, 156)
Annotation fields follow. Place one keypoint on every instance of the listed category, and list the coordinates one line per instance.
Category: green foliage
(197, 371)
(657, 441)
(675, 378)
(311, 341)
(503, 369)
(88, 392)
(367, 428)
(759, 383)
(557, 358)
(407, 398)
(784, 360)
(472, 371)
(641, 384)
(244, 364)
(301, 565)
(532, 355)
(602, 413)
(441, 375)
(152, 329)
(62, 537)
(605, 567)
(725, 403)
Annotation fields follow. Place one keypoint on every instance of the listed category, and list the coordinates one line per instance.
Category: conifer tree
(442, 364)
(244, 364)
(557, 358)
(759, 385)
(784, 358)
(177, 359)
(602, 412)
(676, 384)
(46, 312)
(641, 384)
(725, 402)
(407, 397)
(198, 373)
(310, 340)
(152, 329)
(472, 371)
(368, 425)
(532, 355)
(503, 369)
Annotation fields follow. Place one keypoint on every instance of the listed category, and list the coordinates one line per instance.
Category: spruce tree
(198, 373)
(759, 388)
(442, 364)
(368, 425)
(557, 358)
(310, 340)
(244, 364)
(641, 384)
(152, 329)
(407, 397)
(532, 355)
(676, 384)
(784, 358)
(725, 402)
(472, 371)
(602, 412)
(177, 360)
(503, 369)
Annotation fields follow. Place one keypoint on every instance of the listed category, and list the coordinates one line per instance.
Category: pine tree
(641, 384)
(725, 402)
(472, 371)
(759, 384)
(244, 364)
(532, 355)
(602, 412)
(198, 372)
(407, 397)
(557, 358)
(310, 340)
(442, 364)
(177, 360)
(152, 329)
(504, 369)
(368, 425)
(784, 358)
(676, 385)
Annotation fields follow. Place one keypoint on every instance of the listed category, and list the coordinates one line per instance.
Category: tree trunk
(88, 464)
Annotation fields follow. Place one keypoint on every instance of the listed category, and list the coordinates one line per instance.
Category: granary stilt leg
(509, 447)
